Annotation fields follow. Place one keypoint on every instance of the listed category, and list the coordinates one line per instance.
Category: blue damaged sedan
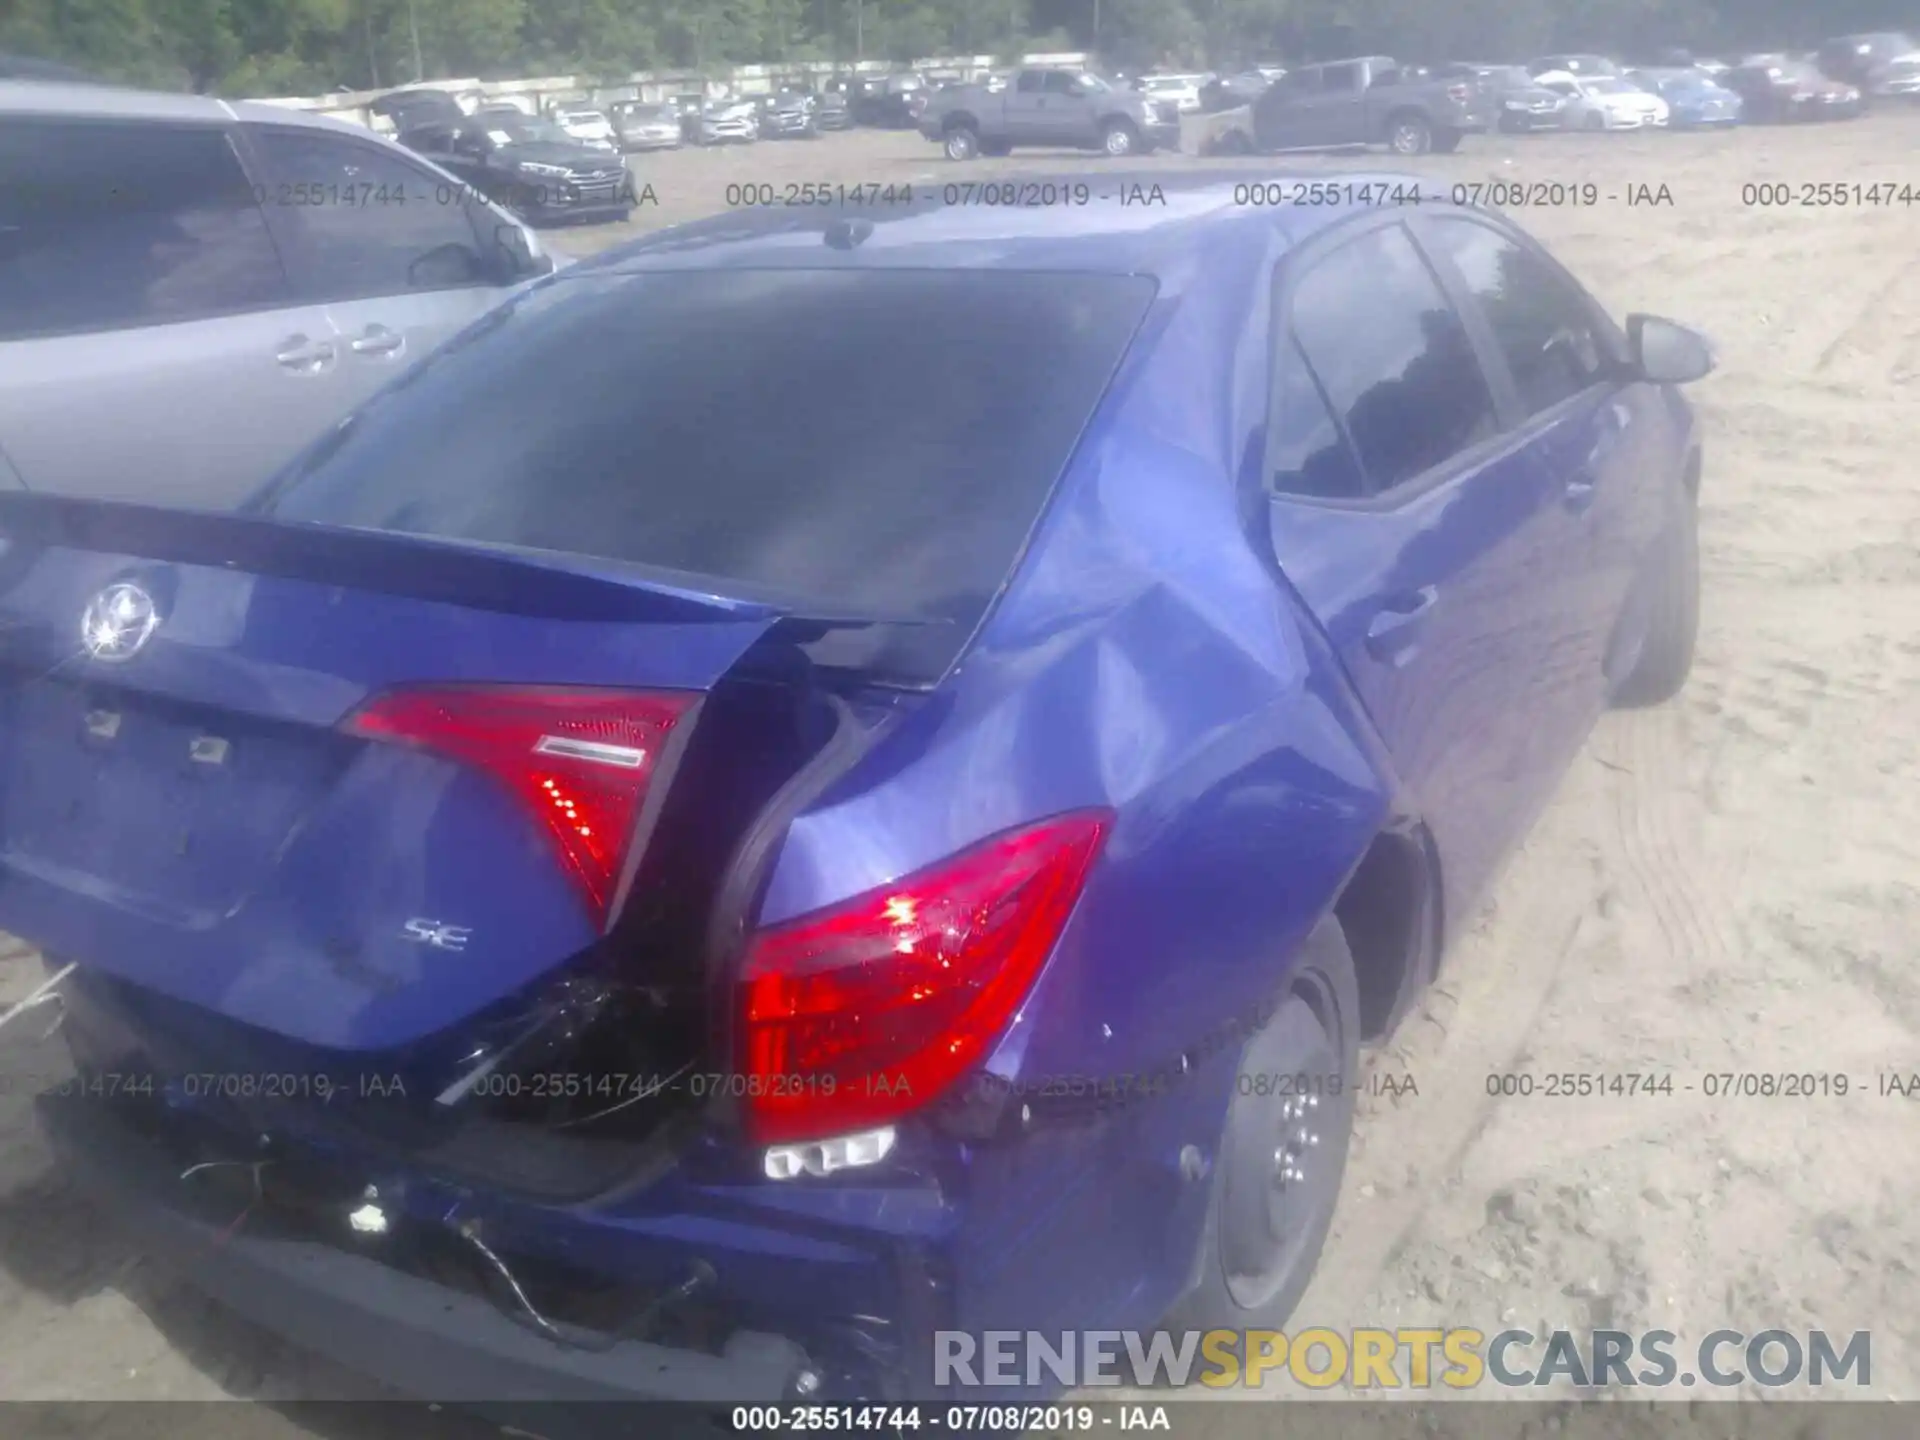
(813, 781)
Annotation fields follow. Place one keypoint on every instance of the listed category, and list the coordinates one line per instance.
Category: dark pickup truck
(1373, 100)
(1062, 109)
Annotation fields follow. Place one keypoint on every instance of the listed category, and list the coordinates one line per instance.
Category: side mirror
(521, 257)
(1667, 353)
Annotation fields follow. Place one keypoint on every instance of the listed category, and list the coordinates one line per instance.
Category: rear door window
(876, 440)
(105, 226)
(1392, 357)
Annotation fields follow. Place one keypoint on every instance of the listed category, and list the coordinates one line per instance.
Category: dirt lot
(1729, 883)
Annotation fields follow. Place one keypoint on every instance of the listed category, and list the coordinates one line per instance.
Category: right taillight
(853, 1016)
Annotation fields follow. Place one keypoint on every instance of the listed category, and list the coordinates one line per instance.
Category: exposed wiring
(593, 1342)
(41, 994)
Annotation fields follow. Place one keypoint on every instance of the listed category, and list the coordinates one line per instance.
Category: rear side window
(1392, 357)
(1310, 456)
(1543, 326)
(107, 226)
(362, 222)
(878, 441)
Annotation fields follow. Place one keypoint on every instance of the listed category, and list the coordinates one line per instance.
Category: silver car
(640, 126)
(192, 290)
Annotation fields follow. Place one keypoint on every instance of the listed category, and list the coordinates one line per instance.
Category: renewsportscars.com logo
(1418, 1359)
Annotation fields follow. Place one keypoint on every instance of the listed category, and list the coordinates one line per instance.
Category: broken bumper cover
(421, 1338)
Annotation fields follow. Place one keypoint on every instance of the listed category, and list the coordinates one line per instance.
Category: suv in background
(529, 165)
(192, 290)
(1884, 65)
(1373, 100)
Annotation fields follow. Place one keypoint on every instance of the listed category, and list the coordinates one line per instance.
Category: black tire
(1252, 1219)
(1447, 141)
(1234, 142)
(961, 142)
(1596, 121)
(1409, 133)
(1118, 139)
(1673, 621)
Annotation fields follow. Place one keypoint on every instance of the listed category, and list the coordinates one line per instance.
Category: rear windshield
(865, 441)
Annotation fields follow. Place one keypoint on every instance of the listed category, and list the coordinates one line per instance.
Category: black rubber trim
(422, 1339)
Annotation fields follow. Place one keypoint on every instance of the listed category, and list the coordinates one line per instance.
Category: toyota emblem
(118, 623)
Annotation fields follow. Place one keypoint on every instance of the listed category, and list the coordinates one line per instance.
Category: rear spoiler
(507, 579)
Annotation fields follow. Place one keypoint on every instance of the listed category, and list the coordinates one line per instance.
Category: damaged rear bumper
(421, 1338)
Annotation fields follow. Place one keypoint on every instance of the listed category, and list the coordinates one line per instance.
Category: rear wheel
(1596, 121)
(962, 143)
(1409, 133)
(1673, 622)
(1276, 1175)
(1117, 138)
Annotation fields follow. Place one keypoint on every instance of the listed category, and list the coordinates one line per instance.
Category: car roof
(111, 102)
(1102, 236)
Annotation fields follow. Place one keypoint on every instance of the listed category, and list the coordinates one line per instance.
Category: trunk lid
(180, 805)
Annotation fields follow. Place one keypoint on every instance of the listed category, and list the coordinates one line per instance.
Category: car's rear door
(1430, 541)
(151, 344)
(400, 256)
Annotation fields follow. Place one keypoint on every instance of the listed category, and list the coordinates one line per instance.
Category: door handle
(1580, 492)
(308, 357)
(1394, 632)
(377, 340)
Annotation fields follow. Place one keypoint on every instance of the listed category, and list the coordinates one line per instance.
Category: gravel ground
(1722, 884)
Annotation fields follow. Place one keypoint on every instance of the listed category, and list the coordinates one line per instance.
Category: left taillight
(578, 761)
(851, 1017)
(1459, 92)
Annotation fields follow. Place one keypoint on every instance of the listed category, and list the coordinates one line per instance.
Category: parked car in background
(1372, 100)
(1228, 92)
(774, 570)
(1780, 90)
(832, 112)
(404, 109)
(888, 102)
(1694, 100)
(529, 165)
(1868, 62)
(1523, 103)
(1582, 65)
(1182, 90)
(192, 290)
(1606, 102)
(727, 122)
(1057, 108)
(639, 125)
(785, 115)
(590, 126)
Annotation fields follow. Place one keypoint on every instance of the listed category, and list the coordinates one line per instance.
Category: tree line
(291, 47)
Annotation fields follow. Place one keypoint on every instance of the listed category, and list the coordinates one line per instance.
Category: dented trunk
(312, 801)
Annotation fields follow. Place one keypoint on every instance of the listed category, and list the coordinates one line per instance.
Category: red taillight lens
(856, 1015)
(580, 760)
(1459, 92)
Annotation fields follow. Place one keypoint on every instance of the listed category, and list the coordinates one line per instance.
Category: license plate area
(139, 798)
